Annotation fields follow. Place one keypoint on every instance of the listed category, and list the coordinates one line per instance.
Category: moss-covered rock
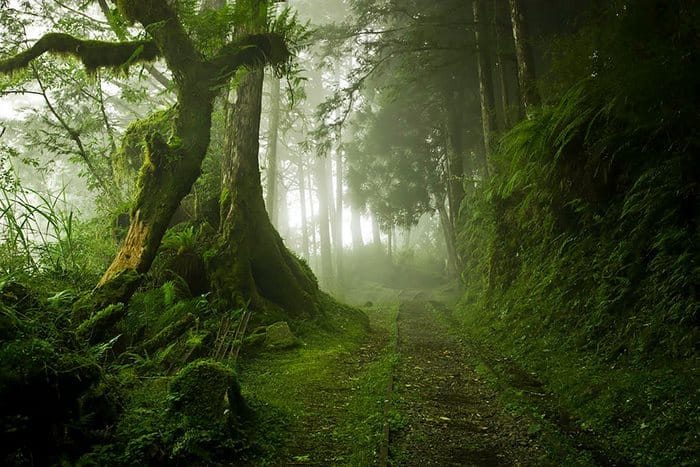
(278, 336)
(207, 394)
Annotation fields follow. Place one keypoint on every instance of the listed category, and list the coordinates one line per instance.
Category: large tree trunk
(252, 263)
(529, 97)
(483, 55)
(167, 175)
(273, 133)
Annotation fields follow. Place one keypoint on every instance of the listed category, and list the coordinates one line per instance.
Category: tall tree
(272, 139)
(529, 96)
(172, 161)
(253, 265)
(484, 69)
(323, 195)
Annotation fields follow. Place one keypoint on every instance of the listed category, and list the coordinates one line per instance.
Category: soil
(453, 417)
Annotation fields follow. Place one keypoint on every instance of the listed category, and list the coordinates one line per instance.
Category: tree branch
(93, 54)
(255, 49)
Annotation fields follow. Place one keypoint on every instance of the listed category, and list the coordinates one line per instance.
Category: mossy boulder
(207, 395)
(279, 336)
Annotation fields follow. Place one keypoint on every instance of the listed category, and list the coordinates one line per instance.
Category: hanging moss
(93, 54)
(128, 159)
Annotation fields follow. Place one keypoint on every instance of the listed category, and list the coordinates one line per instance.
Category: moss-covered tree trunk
(252, 263)
(171, 165)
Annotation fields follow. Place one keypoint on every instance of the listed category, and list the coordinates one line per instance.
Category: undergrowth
(582, 254)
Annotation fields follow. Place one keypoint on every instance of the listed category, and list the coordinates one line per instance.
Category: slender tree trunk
(498, 12)
(356, 228)
(314, 221)
(338, 227)
(455, 156)
(390, 242)
(324, 222)
(529, 97)
(450, 243)
(488, 110)
(302, 200)
(272, 163)
(376, 234)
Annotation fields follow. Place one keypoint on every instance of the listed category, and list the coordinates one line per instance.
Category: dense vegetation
(185, 171)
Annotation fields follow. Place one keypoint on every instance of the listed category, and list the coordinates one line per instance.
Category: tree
(252, 263)
(529, 97)
(200, 65)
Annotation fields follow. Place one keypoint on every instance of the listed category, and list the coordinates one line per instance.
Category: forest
(350, 232)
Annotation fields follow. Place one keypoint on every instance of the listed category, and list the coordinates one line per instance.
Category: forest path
(453, 416)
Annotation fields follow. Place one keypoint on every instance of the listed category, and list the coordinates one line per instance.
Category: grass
(646, 415)
(322, 403)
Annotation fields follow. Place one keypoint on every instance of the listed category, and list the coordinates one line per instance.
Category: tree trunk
(488, 114)
(302, 200)
(273, 133)
(529, 97)
(390, 242)
(498, 12)
(376, 235)
(450, 242)
(338, 227)
(252, 263)
(455, 156)
(167, 175)
(324, 222)
(356, 228)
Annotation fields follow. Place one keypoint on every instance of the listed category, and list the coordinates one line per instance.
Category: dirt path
(452, 415)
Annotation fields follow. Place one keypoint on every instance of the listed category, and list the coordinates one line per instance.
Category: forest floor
(414, 390)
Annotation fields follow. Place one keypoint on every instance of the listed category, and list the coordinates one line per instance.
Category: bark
(501, 66)
(302, 200)
(390, 242)
(356, 229)
(486, 95)
(252, 263)
(338, 227)
(455, 157)
(529, 97)
(324, 223)
(450, 242)
(376, 235)
(273, 133)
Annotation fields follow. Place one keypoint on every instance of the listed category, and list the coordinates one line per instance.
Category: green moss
(206, 393)
(114, 291)
(129, 157)
(102, 324)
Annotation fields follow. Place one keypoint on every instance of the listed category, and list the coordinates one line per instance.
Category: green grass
(323, 402)
(648, 415)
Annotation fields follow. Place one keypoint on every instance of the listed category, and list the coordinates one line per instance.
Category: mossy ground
(632, 412)
(322, 402)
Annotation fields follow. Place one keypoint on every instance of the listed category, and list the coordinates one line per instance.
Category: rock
(207, 394)
(279, 336)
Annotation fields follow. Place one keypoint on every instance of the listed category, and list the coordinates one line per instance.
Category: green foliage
(585, 240)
